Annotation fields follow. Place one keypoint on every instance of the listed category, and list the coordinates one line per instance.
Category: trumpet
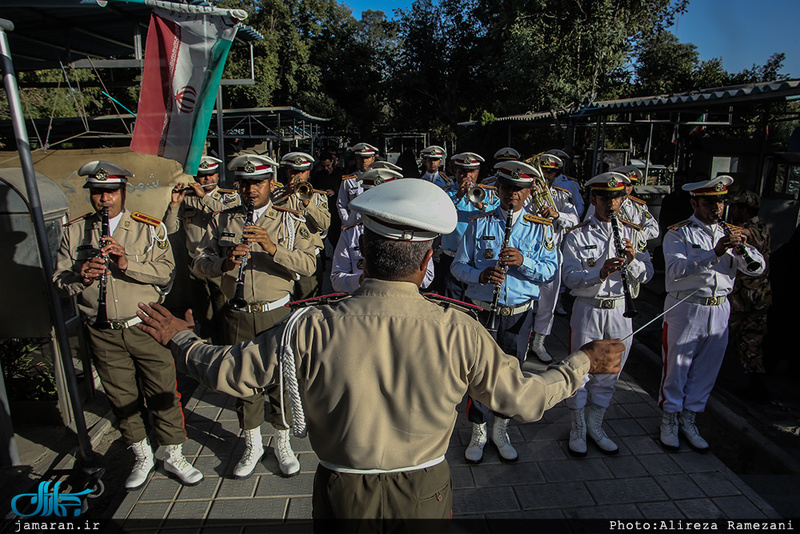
(305, 190)
(478, 193)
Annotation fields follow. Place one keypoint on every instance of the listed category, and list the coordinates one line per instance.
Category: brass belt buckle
(116, 325)
(607, 304)
(505, 311)
(712, 301)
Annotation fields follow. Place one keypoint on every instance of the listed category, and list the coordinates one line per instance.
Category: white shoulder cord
(288, 373)
(289, 230)
(154, 236)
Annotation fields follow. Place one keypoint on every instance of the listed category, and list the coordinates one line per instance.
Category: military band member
(701, 263)
(751, 296)
(189, 211)
(592, 271)
(564, 216)
(314, 207)
(634, 209)
(365, 155)
(279, 250)
(467, 165)
(347, 271)
(530, 259)
(565, 182)
(135, 263)
(379, 463)
(432, 158)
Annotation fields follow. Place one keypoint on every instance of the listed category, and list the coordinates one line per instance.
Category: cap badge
(612, 182)
(101, 175)
(488, 254)
(719, 187)
(516, 174)
(469, 160)
(298, 160)
(378, 181)
(203, 164)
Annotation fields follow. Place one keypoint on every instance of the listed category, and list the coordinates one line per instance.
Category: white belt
(351, 471)
(504, 311)
(118, 324)
(705, 301)
(261, 307)
(604, 304)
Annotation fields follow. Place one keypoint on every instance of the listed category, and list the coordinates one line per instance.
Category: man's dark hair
(388, 259)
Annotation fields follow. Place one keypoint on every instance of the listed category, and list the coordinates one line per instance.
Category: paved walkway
(641, 482)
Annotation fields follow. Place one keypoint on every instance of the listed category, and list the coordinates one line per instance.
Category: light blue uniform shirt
(465, 209)
(479, 249)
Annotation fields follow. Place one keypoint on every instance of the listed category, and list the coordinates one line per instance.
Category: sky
(741, 32)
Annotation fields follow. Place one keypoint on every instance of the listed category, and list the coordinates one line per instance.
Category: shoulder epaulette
(567, 191)
(529, 217)
(445, 177)
(446, 303)
(481, 216)
(581, 225)
(76, 219)
(632, 225)
(146, 219)
(278, 208)
(349, 176)
(638, 200)
(680, 224)
(316, 301)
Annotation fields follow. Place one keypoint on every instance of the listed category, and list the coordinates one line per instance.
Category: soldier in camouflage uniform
(751, 296)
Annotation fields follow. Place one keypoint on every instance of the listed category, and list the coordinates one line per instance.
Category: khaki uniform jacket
(147, 278)
(267, 278)
(318, 218)
(381, 373)
(194, 214)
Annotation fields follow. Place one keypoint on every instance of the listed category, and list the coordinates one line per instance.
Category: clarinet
(752, 263)
(630, 309)
(101, 319)
(238, 302)
(492, 323)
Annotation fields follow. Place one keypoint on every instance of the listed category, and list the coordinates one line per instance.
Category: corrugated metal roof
(704, 98)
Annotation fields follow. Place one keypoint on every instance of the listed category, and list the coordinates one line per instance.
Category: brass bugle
(477, 193)
(305, 191)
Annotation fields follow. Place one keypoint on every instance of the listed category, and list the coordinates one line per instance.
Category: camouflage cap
(746, 197)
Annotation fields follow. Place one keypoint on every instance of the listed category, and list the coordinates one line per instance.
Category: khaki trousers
(123, 356)
(374, 500)
(242, 326)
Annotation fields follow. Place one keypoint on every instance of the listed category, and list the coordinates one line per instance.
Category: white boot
(538, 348)
(254, 450)
(474, 452)
(577, 435)
(142, 466)
(288, 462)
(669, 431)
(594, 428)
(500, 440)
(689, 430)
(176, 464)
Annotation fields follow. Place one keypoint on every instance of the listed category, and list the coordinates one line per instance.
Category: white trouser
(589, 323)
(548, 298)
(694, 340)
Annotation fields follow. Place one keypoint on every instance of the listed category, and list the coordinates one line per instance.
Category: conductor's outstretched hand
(605, 356)
(160, 323)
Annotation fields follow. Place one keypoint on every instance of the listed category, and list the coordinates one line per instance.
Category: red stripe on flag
(156, 98)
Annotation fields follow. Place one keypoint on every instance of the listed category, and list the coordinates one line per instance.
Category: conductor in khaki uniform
(114, 272)
(381, 424)
(313, 205)
(278, 251)
(188, 214)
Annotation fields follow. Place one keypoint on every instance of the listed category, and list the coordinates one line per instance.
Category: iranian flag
(184, 58)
